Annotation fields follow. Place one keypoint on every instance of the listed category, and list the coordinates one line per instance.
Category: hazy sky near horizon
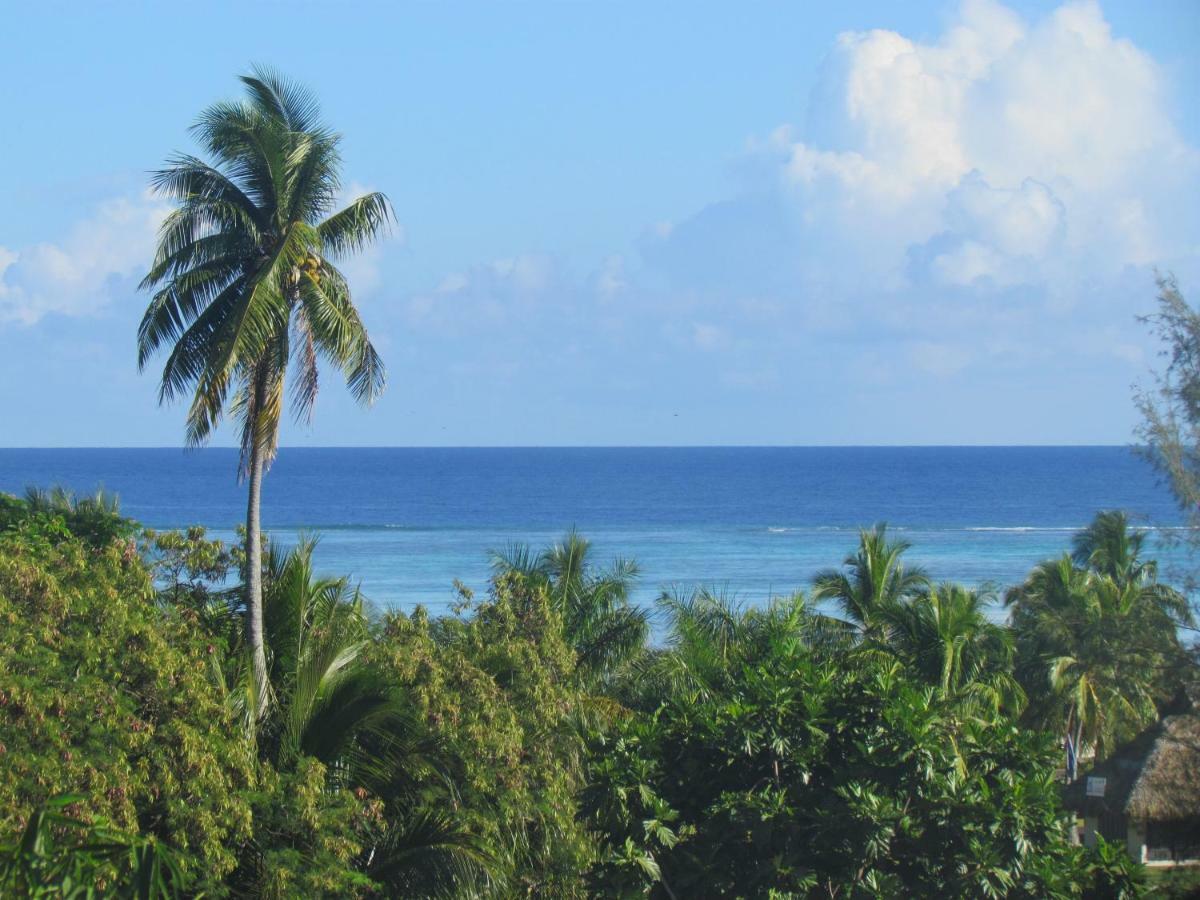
(641, 223)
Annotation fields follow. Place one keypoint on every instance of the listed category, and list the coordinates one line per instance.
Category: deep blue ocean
(754, 521)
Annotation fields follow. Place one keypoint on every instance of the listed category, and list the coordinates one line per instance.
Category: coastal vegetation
(882, 736)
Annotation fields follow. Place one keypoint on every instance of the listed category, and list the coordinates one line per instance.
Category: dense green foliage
(107, 695)
(1098, 638)
(789, 758)
(495, 687)
(58, 855)
(598, 621)
(526, 745)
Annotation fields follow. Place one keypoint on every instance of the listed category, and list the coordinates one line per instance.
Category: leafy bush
(495, 686)
(779, 762)
(95, 519)
(106, 695)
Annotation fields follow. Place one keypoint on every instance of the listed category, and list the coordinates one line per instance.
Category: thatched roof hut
(1148, 791)
(1155, 777)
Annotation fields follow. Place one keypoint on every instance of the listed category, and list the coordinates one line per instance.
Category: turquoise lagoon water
(406, 522)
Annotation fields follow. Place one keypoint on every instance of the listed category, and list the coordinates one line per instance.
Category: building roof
(1156, 776)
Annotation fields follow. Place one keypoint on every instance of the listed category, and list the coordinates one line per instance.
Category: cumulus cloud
(611, 280)
(1002, 153)
(988, 200)
(74, 276)
(962, 211)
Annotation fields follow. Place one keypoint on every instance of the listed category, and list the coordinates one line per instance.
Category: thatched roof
(1155, 777)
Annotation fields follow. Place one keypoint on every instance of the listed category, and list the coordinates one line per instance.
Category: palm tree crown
(874, 579)
(244, 280)
(946, 636)
(599, 622)
(1096, 636)
(1109, 547)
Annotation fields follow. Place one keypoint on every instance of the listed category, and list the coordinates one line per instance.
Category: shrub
(105, 694)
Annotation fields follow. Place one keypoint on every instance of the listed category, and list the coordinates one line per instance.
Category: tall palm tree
(1094, 653)
(707, 632)
(874, 579)
(599, 622)
(245, 284)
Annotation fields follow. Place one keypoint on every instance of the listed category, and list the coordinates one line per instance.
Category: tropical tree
(1109, 547)
(1170, 407)
(244, 285)
(1094, 654)
(498, 683)
(326, 699)
(709, 635)
(95, 518)
(873, 579)
(59, 855)
(107, 696)
(791, 762)
(946, 637)
(598, 620)
(336, 713)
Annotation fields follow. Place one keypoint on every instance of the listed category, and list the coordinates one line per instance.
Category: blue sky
(632, 223)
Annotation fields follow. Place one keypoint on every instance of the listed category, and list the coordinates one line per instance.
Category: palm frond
(430, 854)
(294, 105)
(339, 334)
(361, 223)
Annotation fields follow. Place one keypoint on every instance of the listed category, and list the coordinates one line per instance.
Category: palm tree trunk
(254, 607)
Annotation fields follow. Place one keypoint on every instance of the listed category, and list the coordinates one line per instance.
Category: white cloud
(968, 262)
(958, 212)
(897, 107)
(610, 281)
(955, 214)
(72, 276)
(1005, 152)
(996, 234)
(1023, 221)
